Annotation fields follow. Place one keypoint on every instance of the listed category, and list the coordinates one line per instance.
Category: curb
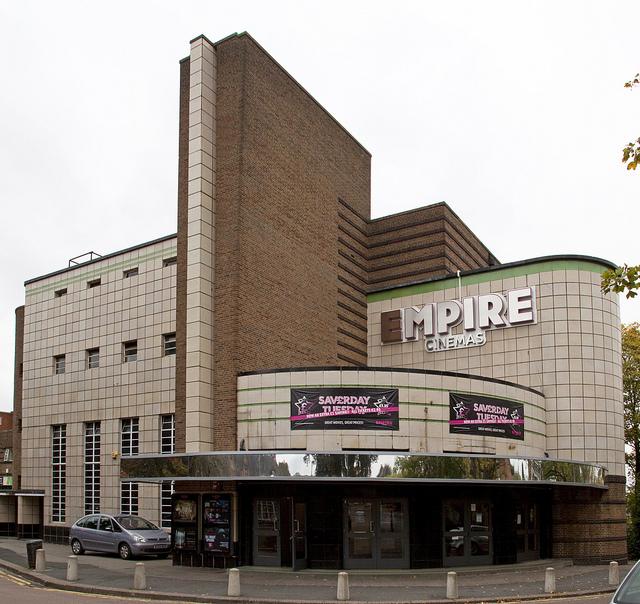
(52, 583)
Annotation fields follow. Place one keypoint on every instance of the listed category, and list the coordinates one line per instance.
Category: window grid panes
(129, 498)
(59, 472)
(59, 364)
(130, 350)
(92, 468)
(166, 490)
(169, 343)
(130, 436)
(168, 434)
(7, 455)
(93, 358)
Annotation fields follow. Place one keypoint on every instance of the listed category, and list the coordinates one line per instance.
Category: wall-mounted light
(115, 454)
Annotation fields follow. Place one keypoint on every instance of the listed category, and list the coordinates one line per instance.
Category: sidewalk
(106, 572)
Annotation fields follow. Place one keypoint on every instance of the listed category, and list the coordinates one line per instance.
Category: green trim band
(100, 271)
(483, 277)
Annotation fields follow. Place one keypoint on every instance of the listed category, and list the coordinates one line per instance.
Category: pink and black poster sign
(485, 416)
(344, 409)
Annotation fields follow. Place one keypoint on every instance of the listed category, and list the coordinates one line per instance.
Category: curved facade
(288, 382)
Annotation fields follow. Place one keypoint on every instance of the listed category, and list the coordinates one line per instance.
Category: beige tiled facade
(565, 369)
(572, 354)
(264, 408)
(121, 309)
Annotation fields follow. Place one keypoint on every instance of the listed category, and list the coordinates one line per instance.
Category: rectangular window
(92, 468)
(130, 351)
(170, 261)
(59, 364)
(166, 490)
(61, 292)
(129, 498)
(93, 358)
(167, 434)
(130, 272)
(93, 283)
(59, 472)
(169, 344)
(130, 436)
(7, 455)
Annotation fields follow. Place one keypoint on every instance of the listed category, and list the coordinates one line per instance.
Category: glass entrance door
(299, 535)
(376, 533)
(266, 532)
(527, 532)
(467, 532)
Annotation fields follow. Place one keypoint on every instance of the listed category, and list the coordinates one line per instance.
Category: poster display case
(216, 524)
(184, 522)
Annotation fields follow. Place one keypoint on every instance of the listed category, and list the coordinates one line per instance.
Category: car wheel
(125, 551)
(76, 548)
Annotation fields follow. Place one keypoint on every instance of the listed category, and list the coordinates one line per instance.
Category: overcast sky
(512, 112)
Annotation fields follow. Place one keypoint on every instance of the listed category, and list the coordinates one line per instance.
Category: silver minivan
(127, 536)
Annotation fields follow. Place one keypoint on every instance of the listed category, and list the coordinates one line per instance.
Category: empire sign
(475, 315)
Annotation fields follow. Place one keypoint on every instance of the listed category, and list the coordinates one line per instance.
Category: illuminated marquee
(475, 315)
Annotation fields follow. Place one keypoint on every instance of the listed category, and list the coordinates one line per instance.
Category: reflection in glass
(454, 545)
(391, 521)
(267, 544)
(454, 516)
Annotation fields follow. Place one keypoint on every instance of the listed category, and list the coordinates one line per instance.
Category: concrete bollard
(550, 581)
(233, 589)
(72, 568)
(614, 573)
(343, 586)
(452, 585)
(41, 561)
(140, 576)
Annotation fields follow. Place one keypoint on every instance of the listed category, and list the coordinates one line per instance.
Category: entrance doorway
(266, 527)
(467, 532)
(527, 531)
(376, 533)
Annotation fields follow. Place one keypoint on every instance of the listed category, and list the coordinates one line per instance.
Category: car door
(89, 536)
(105, 535)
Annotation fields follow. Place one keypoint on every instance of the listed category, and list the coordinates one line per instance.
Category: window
(130, 436)
(130, 351)
(166, 490)
(59, 472)
(130, 272)
(93, 283)
(167, 434)
(169, 343)
(60, 292)
(129, 498)
(170, 261)
(90, 523)
(7, 456)
(59, 364)
(93, 358)
(92, 468)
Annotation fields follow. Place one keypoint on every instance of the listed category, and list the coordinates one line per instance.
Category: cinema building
(318, 387)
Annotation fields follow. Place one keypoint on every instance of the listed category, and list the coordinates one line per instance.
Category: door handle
(371, 526)
(296, 526)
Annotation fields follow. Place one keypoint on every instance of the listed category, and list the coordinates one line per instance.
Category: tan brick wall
(589, 525)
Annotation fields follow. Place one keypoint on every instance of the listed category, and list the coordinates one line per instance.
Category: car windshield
(629, 592)
(135, 523)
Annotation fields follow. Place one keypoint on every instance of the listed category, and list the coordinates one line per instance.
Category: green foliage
(631, 153)
(624, 278)
(631, 395)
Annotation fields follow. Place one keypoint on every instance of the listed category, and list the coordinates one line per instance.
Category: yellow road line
(14, 579)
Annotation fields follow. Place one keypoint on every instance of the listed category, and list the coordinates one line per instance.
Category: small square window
(170, 261)
(130, 272)
(61, 292)
(59, 364)
(169, 343)
(93, 283)
(93, 358)
(130, 351)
